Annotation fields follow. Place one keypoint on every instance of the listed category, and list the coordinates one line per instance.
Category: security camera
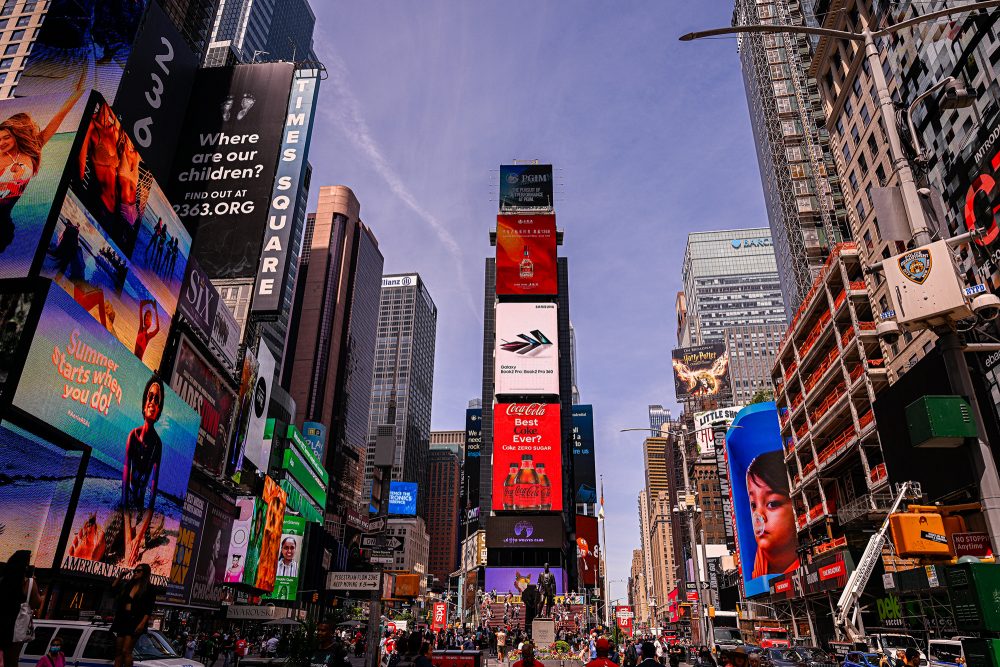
(986, 306)
(888, 331)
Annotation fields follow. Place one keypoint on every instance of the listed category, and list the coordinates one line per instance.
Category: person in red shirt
(603, 647)
(527, 656)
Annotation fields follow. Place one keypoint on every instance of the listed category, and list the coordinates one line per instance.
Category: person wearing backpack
(19, 600)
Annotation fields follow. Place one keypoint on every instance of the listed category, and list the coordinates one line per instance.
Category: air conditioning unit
(924, 286)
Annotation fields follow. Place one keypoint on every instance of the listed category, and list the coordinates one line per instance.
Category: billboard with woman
(765, 522)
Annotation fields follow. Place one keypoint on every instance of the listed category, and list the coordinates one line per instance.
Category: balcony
(866, 327)
(802, 431)
(808, 469)
(817, 413)
(814, 334)
(830, 545)
(847, 337)
(878, 475)
(856, 373)
(865, 420)
(820, 509)
(824, 365)
(790, 370)
(858, 286)
(836, 446)
(839, 300)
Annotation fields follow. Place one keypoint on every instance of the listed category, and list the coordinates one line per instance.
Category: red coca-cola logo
(526, 495)
(526, 409)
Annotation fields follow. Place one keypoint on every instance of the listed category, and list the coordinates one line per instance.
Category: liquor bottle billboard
(226, 160)
(584, 465)
(526, 254)
(527, 351)
(83, 382)
(286, 581)
(765, 521)
(526, 186)
(527, 457)
(41, 131)
(702, 370)
(36, 484)
(203, 389)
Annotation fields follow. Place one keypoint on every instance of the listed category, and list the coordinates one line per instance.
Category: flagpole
(604, 561)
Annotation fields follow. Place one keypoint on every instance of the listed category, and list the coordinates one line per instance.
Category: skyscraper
(751, 350)
(801, 191)
(246, 31)
(21, 19)
(444, 491)
(730, 279)
(334, 326)
(658, 416)
(404, 369)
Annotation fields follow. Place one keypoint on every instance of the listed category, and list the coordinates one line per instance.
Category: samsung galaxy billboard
(527, 352)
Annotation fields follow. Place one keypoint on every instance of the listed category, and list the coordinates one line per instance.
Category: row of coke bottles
(527, 487)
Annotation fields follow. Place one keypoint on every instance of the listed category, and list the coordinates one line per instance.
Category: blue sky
(650, 139)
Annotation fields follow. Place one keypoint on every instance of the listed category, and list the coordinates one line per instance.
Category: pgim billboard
(527, 349)
(526, 187)
(526, 254)
(527, 457)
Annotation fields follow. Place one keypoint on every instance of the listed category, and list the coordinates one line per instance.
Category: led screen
(287, 573)
(212, 552)
(402, 498)
(80, 380)
(765, 521)
(525, 186)
(182, 570)
(700, 371)
(526, 254)
(527, 457)
(513, 580)
(527, 349)
(588, 550)
(584, 465)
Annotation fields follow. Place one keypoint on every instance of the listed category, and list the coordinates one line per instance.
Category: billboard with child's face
(765, 521)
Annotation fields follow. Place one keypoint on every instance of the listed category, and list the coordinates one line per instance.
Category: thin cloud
(347, 114)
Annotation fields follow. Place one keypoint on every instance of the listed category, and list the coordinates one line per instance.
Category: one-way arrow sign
(372, 541)
(395, 543)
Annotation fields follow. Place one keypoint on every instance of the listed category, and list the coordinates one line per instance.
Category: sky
(650, 140)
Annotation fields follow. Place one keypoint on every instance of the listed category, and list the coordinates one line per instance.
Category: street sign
(691, 586)
(381, 556)
(692, 596)
(352, 581)
(382, 560)
(376, 524)
(394, 543)
(373, 541)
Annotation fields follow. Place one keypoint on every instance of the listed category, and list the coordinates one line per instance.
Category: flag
(600, 512)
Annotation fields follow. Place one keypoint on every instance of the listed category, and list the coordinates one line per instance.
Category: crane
(848, 618)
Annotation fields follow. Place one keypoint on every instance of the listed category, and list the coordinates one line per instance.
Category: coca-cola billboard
(527, 458)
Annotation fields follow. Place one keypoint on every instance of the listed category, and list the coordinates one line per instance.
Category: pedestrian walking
(603, 649)
(501, 644)
(18, 596)
(527, 656)
(648, 655)
(134, 599)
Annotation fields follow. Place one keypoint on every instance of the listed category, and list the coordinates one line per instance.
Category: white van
(945, 653)
(889, 644)
(90, 645)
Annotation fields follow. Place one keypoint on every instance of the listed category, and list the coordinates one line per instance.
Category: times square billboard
(526, 254)
(80, 389)
(702, 370)
(527, 352)
(527, 457)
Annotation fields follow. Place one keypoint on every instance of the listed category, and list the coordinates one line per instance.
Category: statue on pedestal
(547, 587)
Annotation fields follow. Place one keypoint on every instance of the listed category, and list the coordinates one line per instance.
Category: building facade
(247, 31)
(658, 416)
(416, 543)
(21, 20)
(452, 441)
(801, 188)
(730, 279)
(444, 492)
(751, 350)
(335, 324)
(637, 590)
(404, 371)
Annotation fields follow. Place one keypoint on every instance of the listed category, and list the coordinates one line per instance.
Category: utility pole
(385, 453)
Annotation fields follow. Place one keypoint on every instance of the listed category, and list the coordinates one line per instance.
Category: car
(945, 653)
(781, 657)
(891, 644)
(813, 656)
(858, 659)
(88, 644)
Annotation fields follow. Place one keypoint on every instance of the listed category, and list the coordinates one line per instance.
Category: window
(70, 638)
(855, 135)
(865, 115)
(100, 646)
(43, 634)
(11, 49)
(847, 153)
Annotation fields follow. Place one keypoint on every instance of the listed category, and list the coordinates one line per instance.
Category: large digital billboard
(225, 163)
(525, 186)
(402, 498)
(527, 457)
(286, 581)
(36, 484)
(588, 550)
(704, 431)
(584, 466)
(526, 255)
(527, 349)
(473, 455)
(265, 537)
(212, 552)
(80, 380)
(188, 543)
(203, 389)
(208, 315)
(272, 271)
(239, 540)
(765, 521)
(255, 449)
(513, 580)
(702, 370)
(39, 134)
(82, 43)
(516, 532)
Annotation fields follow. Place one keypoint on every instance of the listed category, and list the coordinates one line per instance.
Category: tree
(763, 396)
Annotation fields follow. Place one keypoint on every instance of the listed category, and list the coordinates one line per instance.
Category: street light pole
(949, 343)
